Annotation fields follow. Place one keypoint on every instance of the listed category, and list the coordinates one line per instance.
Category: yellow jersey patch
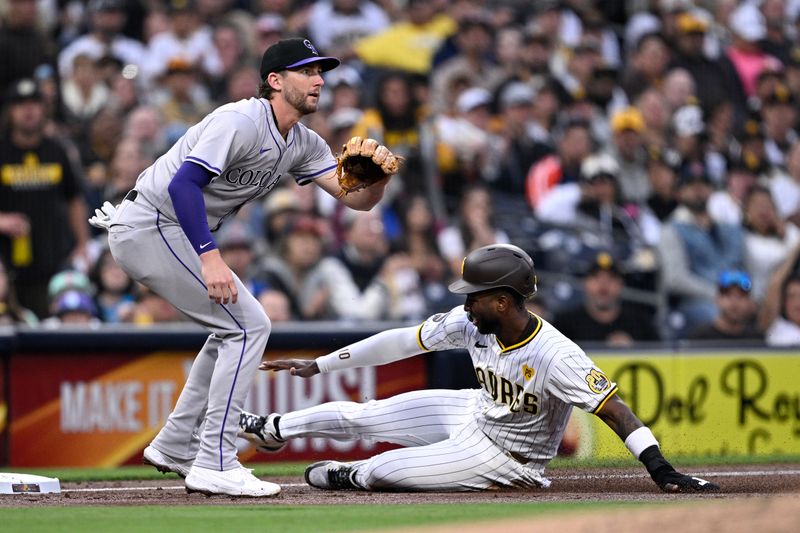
(598, 382)
(527, 372)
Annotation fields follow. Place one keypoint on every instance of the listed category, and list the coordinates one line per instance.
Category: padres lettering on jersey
(528, 389)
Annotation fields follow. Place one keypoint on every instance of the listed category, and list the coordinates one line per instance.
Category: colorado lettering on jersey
(507, 393)
(261, 179)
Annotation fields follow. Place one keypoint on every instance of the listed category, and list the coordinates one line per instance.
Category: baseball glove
(364, 162)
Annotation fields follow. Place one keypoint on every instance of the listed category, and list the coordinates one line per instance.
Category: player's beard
(484, 325)
(299, 101)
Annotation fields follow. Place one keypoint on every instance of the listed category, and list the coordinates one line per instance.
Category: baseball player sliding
(161, 235)
(500, 435)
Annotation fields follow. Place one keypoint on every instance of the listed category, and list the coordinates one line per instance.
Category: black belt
(132, 194)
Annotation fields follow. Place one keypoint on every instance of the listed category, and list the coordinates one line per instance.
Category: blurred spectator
(662, 169)
(151, 308)
(239, 248)
(23, 46)
(269, 29)
(394, 121)
(146, 125)
(471, 63)
(574, 142)
(42, 211)
(233, 54)
(647, 66)
(768, 240)
(473, 228)
(106, 20)
(335, 25)
(74, 308)
(713, 83)
(184, 101)
(344, 85)
(785, 187)
(276, 304)
(726, 206)
(467, 150)
(241, 83)
(779, 115)
(656, 114)
(130, 159)
(418, 241)
(582, 60)
(188, 39)
(114, 299)
(776, 42)
(604, 315)
(84, 94)
(319, 287)
(627, 148)
(10, 310)
(694, 250)
(409, 44)
(679, 87)
(689, 138)
(736, 311)
(784, 329)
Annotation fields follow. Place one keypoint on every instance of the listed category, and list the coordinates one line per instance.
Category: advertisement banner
(102, 409)
(700, 404)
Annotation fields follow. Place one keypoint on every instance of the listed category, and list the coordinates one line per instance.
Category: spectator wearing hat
(690, 138)
(183, 101)
(239, 248)
(779, 115)
(604, 316)
(344, 85)
(269, 29)
(713, 83)
(188, 38)
(42, 210)
(74, 308)
(335, 25)
(694, 250)
(735, 318)
(726, 205)
(627, 148)
(105, 38)
(768, 240)
(776, 42)
(23, 46)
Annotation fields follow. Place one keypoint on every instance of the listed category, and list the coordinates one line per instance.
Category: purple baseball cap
(293, 53)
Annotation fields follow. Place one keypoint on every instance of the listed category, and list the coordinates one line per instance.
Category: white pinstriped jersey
(240, 143)
(528, 389)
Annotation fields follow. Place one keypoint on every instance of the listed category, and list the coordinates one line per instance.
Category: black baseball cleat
(261, 431)
(332, 475)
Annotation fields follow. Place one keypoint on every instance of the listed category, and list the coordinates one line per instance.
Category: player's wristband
(385, 347)
(639, 440)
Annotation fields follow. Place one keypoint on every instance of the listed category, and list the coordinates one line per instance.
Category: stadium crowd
(645, 152)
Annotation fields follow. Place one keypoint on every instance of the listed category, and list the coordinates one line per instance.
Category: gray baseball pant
(203, 426)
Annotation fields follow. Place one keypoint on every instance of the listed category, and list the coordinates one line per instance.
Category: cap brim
(328, 63)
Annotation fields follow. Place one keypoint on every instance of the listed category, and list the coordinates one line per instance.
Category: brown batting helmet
(496, 266)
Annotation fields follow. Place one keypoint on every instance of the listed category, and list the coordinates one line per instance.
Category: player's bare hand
(218, 278)
(677, 482)
(305, 368)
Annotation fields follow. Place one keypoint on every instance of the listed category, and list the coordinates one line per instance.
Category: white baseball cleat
(332, 475)
(165, 463)
(261, 431)
(237, 482)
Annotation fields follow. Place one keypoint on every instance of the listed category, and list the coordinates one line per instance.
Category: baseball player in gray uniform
(500, 435)
(161, 235)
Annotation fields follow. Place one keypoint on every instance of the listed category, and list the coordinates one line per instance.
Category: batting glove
(667, 478)
(102, 217)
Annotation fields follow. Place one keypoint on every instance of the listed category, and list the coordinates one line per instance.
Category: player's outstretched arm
(643, 445)
(379, 349)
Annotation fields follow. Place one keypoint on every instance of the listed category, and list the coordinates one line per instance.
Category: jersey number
(507, 393)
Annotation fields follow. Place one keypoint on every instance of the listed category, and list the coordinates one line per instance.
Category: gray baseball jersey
(240, 143)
